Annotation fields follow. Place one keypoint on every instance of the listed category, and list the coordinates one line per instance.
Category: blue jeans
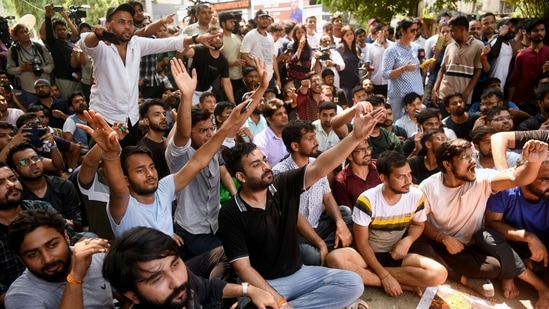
(318, 287)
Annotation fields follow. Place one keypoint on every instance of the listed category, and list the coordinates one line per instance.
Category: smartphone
(248, 104)
(37, 133)
(58, 8)
(440, 42)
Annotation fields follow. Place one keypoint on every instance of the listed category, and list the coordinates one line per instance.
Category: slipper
(358, 304)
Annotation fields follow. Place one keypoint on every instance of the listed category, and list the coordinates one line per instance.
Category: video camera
(325, 52)
(77, 12)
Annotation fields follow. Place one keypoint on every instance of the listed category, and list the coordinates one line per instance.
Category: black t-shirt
(462, 129)
(419, 170)
(62, 195)
(268, 237)
(208, 68)
(159, 159)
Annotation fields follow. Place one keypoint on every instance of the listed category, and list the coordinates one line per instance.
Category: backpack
(15, 51)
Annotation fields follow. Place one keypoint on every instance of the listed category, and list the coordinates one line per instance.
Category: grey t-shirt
(29, 291)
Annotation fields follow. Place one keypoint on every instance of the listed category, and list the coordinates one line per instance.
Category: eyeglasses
(27, 161)
(503, 118)
(204, 131)
(414, 29)
(468, 157)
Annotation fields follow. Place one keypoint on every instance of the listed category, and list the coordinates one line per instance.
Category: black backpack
(15, 51)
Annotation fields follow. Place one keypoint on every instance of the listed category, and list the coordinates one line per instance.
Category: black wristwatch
(194, 37)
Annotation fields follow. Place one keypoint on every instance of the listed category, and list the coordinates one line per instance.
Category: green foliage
(97, 9)
(531, 8)
(363, 10)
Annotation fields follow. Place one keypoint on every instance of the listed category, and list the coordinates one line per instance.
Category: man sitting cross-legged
(388, 219)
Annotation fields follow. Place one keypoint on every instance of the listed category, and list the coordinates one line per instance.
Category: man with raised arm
(259, 226)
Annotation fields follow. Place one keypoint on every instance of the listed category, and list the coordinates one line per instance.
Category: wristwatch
(245, 289)
(194, 37)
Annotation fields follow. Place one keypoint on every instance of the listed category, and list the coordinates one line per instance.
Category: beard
(13, 202)
(169, 302)
(61, 273)
(544, 195)
(459, 112)
(463, 177)
(142, 190)
(158, 126)
(44, 94)
(263, 183)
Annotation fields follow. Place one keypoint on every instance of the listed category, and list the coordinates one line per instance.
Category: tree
(98, 8)
(363, 10)
(531, 8)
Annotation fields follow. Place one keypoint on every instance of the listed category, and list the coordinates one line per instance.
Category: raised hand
(103, 134)
(534, 151)
(364, 123)
(184, 82)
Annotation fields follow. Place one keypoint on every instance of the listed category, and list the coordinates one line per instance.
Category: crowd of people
(270, 163)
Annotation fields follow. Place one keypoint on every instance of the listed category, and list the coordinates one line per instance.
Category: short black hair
(199, 114)
(144, 108)
(447, 98)
(326, 106)
(495, 111)
(428, 136)
(478, 133)
(29, 220)
(17, 148)
(357, 89)
(6, 125)
(388, 160)
(248, 69)
(294, 130)
(24, 118)
(131, 150)
(233, 156)
(409, 98)
(533, 23)
(74, 94)
(459, 21)
(492, 92)
(137, 245)
(542, 92)
(450, 150)
(220, 107)
(375, 100)
(39, 108)
(426, 114)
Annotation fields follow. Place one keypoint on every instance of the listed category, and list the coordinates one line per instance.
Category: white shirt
(335, 56)
(458, 212)
(500, 68)
(115, 92)
(258, 45)
(375, 57)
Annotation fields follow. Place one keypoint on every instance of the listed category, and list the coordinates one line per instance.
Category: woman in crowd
(401, 66)
(347, 48)
(301, 55)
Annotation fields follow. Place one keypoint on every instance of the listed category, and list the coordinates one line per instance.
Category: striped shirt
(387, 223)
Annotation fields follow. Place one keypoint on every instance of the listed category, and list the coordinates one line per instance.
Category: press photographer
(327, 58)
(28, 61)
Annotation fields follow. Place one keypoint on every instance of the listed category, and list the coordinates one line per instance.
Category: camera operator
(28, 61)
(59, 41)
(327, 58)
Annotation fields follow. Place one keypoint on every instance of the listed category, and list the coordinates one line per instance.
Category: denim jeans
(318, 287)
